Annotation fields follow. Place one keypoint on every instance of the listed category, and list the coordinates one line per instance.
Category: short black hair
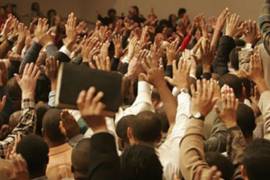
(161, 114)
(50, 125)
(147, 127)
(256, 159)
(122, 126)
(140, 162)
(35, 152)
(110, 11)
(234, 58)
(79, 164)
(246, 120)
(181, 12)
(222, 163)
(233, 82)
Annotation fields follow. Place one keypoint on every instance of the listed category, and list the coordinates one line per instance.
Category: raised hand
(117, 41)
(154, 74)
(131, 47)
(28, 81)
(255, 72)
(71, 32)
(203, 99)
(171, 51)
(230, 103)
(207, 55)
(251, 32)
(9, 25)
(70, 125)
(180, 74)
(51, 71)
(222, 19)
(90, 47)
(101, 64)
(232, 25)
(91, 108)
(41, 34)
(104, 50)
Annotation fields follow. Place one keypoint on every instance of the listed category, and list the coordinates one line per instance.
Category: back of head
(234, 82)
(50, 125)
(246, 120)
(256, 160)
(121, 128)
(140, 162)
(147, 127)
(80, 159)
(222, 163)
(35, 152)
(182, 12)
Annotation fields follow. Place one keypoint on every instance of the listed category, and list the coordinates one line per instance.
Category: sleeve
(236, 145)
(192, 150)
(143, 101)
(31, 55)
(264, 105)
(26, 125)
(115, 63)
(218, 137)
(169, 150)
(51, 102)
(220, 64)
(52, 50)
(185, 42)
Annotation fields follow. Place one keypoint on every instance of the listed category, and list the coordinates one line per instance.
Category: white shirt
(169, 150)
(143, 102)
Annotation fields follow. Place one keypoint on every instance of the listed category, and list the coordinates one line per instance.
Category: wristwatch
(198, 116)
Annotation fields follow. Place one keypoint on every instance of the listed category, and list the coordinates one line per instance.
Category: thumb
(169, 80)
(17, 77)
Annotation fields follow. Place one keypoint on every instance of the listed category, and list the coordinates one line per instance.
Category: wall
(86, 9)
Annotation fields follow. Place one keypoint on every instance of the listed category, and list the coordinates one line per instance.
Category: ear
(62, 129)
(243, 172)
(130, 135)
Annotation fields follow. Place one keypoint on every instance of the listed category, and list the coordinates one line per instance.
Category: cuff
(65, 51)
(28, 104)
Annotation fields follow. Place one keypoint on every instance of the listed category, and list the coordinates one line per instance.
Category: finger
(98, 97)
(90, 94)
(81, 98)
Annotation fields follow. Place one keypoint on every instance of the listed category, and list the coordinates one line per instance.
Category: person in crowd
(195, 97)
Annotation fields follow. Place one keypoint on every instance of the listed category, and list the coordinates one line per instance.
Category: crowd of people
(196, 97)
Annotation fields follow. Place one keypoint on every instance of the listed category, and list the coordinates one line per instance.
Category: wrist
(206, 68)
(230, 124)
(182, 86)
(28, 95)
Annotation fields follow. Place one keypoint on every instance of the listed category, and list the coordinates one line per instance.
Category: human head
(134, 11)
(140, 162)
(79, 164)
(222, 163)
(121, 130)
(233, 82)
(246, 120)
(51, 14)
(35, 6)
(35, 152)
(256, 160)
(146, 128)
(51, 128)
(181, 12)
(111, 13)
